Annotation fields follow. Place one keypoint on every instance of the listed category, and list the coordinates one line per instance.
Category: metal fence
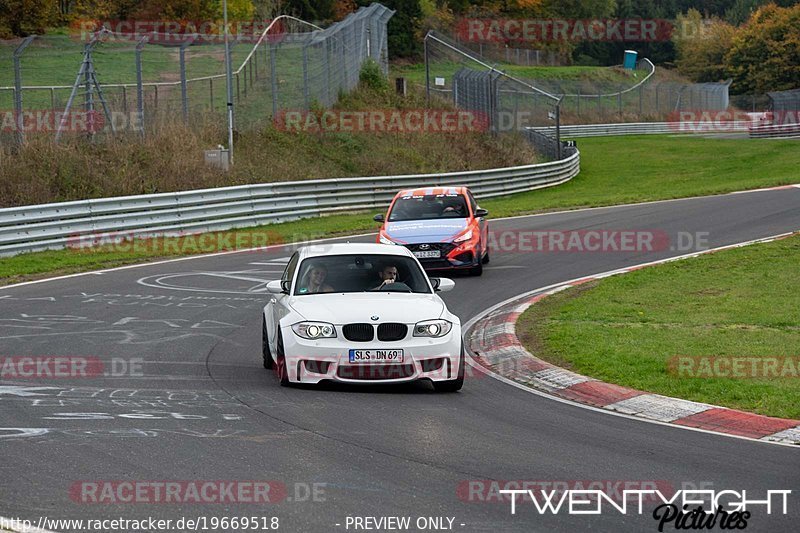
(516, 56)
(72, 224)
(612, 93)
(145, 85)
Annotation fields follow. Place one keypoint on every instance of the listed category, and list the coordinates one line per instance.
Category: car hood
(416, 231)
(338, 308)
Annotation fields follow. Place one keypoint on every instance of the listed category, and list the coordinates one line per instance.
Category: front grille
(375, 372)
(361, 332)
(392, 331)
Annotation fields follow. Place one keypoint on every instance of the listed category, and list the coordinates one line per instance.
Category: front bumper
(452, 257)
(319, 360)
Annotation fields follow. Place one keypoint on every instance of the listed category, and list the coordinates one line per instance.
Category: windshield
(360, 273)
(429, 206)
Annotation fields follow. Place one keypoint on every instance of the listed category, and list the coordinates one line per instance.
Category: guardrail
(776, 130)
(54, 226)
(643, 128)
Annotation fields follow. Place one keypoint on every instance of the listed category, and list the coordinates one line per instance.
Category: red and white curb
(493, 343)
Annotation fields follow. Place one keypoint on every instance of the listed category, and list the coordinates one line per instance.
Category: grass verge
(675, 167)
(628, 329)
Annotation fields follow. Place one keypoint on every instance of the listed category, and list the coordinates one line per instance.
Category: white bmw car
(361, 313)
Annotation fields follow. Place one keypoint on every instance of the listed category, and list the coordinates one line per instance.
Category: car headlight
(384, 239)
(467, 236)
(432, 328)
(314, 330)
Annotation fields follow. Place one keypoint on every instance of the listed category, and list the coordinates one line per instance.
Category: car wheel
(453, 385)
(280, 363)
(265, 345)
(476, 270)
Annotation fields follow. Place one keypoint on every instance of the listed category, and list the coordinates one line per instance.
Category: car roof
(426, 191)
(316, 250)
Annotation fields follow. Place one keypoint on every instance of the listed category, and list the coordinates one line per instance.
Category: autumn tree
(26, 17)
(765, 53)
(701, 46)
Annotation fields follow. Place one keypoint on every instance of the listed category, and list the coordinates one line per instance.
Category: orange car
(443, 227)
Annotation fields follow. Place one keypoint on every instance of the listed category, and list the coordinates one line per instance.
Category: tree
(26, 17)
(404, 28)
(309, 10)
(765, 53)
(701, 46)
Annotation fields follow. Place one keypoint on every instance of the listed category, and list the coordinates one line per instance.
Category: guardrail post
(18, 89)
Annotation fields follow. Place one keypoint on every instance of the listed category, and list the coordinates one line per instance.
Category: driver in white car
(387, 275)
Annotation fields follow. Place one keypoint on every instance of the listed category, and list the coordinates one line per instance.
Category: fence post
(558, 129)
(658, 109)
(18, 88)
(428, 75)
(579, 101)
(619, 100)
(52, 99)
(273, 74)
(139, 86)
(211, 93)
(89, 97)
(255, 59)
(305, 76)
(327, 78)
(238, 96)
(184, 88)
(641, 87)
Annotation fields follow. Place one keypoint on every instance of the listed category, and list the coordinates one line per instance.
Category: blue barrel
(630, 59)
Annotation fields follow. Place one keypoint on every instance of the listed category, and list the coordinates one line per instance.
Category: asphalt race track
(205, 409)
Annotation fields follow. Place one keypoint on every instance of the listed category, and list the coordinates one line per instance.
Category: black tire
(280, 367)
(268, 363)
(453, 385)
(476, 270)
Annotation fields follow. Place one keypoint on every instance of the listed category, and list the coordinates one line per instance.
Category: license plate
(376, 356)
(428, 254)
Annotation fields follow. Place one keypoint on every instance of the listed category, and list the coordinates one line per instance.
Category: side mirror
(442, 284)
(480, 212)
(378, 218)
(275, 287)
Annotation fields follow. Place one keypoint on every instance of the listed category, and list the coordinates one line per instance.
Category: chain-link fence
(527, 57)
(610, 94)
(456, 74)
(138, 83)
